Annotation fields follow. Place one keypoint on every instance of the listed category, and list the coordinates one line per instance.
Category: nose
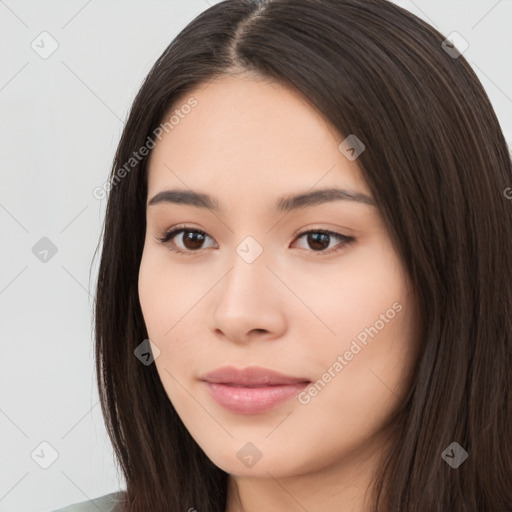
(249, 302)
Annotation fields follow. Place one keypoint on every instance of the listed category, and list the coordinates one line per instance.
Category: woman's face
(254, 290)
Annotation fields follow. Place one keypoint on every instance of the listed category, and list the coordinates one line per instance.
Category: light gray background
(61, 119)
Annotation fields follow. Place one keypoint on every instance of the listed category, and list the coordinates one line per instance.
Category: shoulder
(105, 503)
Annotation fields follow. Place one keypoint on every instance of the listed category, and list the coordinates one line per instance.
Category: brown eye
(191, 240)
(319, 240)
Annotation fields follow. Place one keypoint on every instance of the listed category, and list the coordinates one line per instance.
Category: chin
(236, 460)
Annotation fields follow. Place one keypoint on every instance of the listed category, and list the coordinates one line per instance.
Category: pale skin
(294, 309)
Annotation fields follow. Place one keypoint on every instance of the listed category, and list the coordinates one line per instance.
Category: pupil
(195, 239)
(318, 238)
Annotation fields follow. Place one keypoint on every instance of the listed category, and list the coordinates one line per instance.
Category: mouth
(251, 390)
(253, 376)
(252, 400)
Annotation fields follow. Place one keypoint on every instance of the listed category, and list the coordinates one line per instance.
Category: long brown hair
(437, 165)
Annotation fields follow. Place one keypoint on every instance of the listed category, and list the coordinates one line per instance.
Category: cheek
(165, 294)
(359, 289)
(167, 298)
(373, 322)
(151, 294)
(160, 303)
(354, 397)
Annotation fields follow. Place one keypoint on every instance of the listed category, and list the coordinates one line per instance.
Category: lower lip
(252, 400)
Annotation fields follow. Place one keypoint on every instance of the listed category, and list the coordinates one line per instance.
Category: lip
(251, 390)
(252, 376)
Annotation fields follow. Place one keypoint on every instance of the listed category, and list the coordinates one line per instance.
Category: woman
(304, 296)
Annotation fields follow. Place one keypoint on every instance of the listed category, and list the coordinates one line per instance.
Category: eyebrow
(284, 204)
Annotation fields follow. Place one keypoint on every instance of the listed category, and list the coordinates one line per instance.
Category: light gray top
(105, 503)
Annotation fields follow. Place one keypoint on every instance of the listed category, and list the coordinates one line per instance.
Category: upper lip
(251, 376)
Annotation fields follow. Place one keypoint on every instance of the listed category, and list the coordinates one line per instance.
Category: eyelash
(171, 233)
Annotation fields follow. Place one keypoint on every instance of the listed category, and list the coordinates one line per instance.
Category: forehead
(245, 132)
